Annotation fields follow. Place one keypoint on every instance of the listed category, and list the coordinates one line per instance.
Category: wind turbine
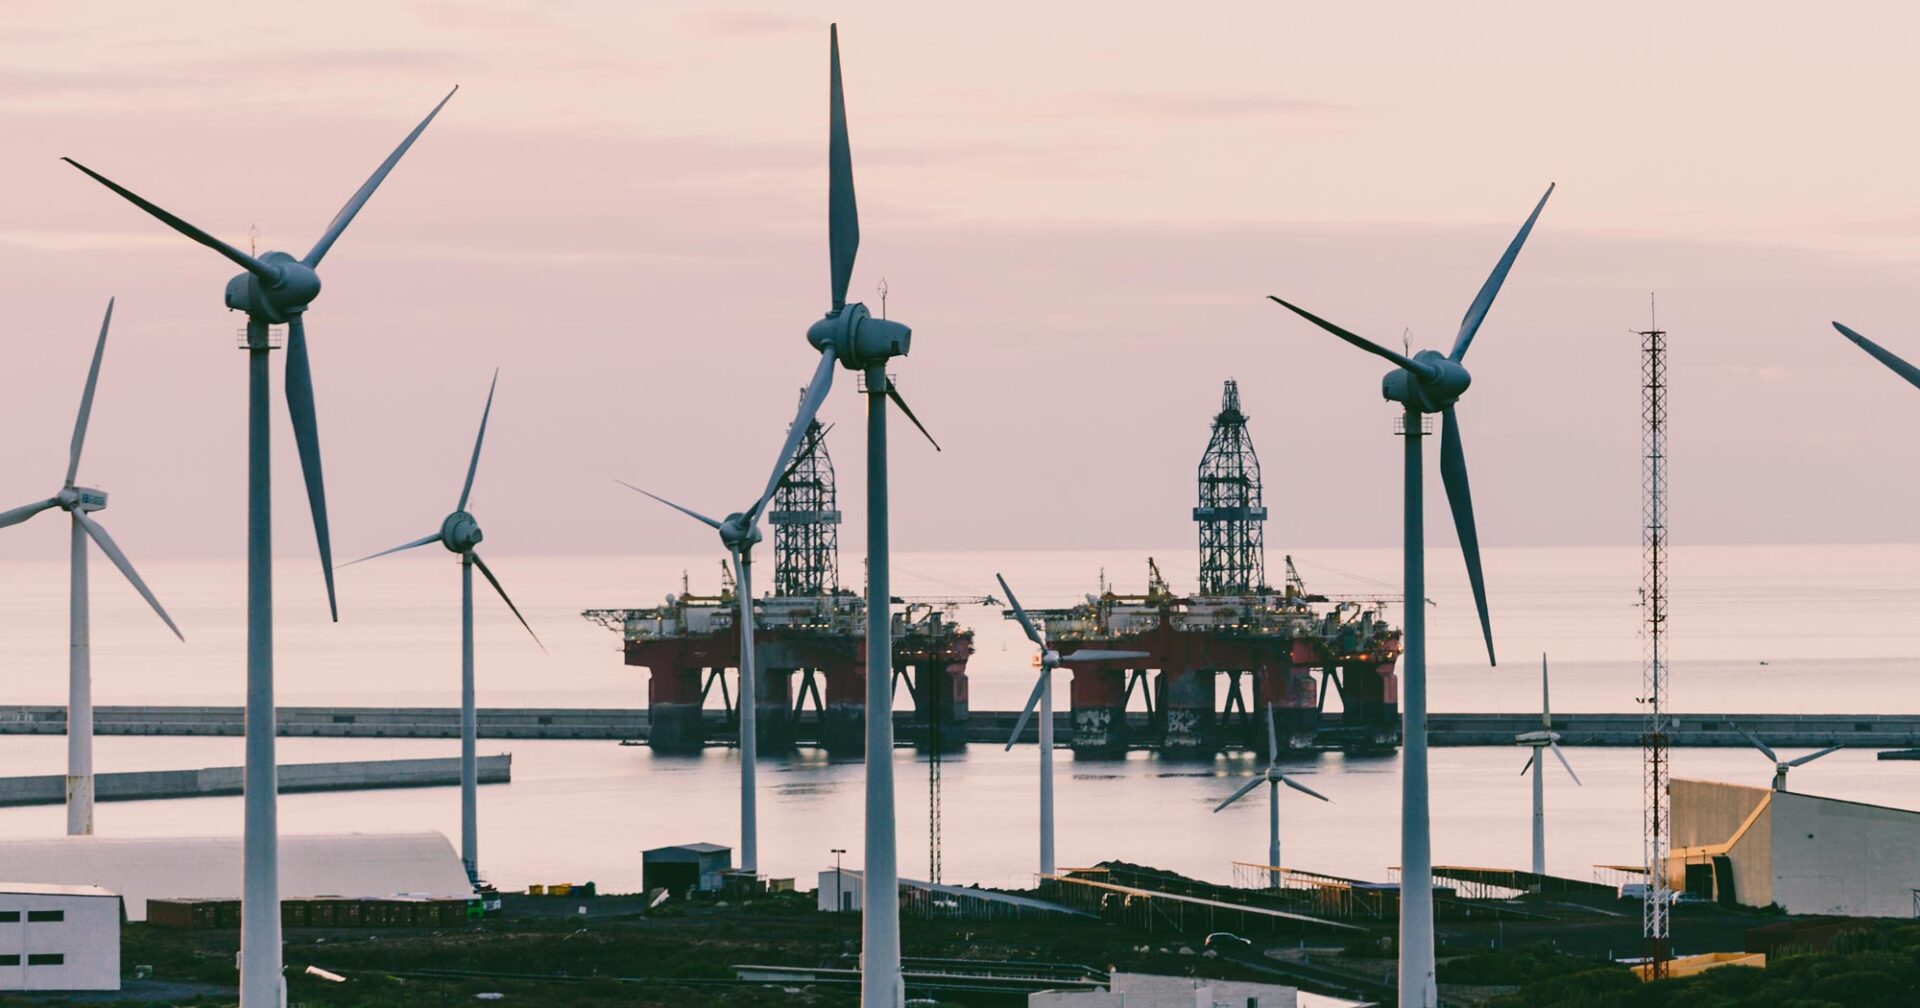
(1780, 766)
(861, 343)
(739, 532)
(1042, 697)
(1544, 739)
(1429, 383)
(77, 501)
(275, 288)
(1273, 778)
(459, 532)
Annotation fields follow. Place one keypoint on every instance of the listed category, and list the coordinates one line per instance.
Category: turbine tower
(1429, 383)
(1042, 699)
(459, 532)
(78, 502)
(1272, 778)
(1232, 520)
(1544, 739)
(863, 344)
(275, 289)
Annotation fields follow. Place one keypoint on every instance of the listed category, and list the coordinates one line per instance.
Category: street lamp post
(839, 889)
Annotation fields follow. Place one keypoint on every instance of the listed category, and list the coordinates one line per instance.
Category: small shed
(59, 937)
(683, 868)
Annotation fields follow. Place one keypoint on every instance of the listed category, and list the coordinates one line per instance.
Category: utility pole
(1653, 591)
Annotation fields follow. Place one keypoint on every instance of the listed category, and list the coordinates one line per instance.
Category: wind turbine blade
(893, 393)
(474, 466)
(1453, 473)
(1302, 788)
(1546, 718)
(843, 218)
(1477, 311)
(26, 511)
(495, 582)
(1242, 793)
(1039, 689)
(86, 398)
(243, 260)
(1033, 632)
(112, 550)
(346, 214)
(306, 437)
(1762, 746)
(1357, 340)
(1814, 756)
(1528, 765)
(1092, 655)
(422, 541)
(695, 515)
(1273, 737)
(1881, 354)
(802, 419)
(1562, 757)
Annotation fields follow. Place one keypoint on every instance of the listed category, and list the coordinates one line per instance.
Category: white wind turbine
(1272, 778)
(1042, 699)
(77, 501)
(459, 532)
(1780, 766)
(1543, 740)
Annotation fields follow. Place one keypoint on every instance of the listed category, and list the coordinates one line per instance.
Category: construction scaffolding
(805, 516)
(1653, 599)
(1231, 517)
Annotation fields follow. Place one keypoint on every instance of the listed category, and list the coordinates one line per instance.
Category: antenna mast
(1653, 592)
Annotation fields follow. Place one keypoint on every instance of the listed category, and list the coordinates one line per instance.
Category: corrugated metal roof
(696, 848)
(139, 869)
(47, 889)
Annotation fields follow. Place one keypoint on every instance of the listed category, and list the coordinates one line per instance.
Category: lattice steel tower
(806, 522)
(1653, 599)
(1232, 519)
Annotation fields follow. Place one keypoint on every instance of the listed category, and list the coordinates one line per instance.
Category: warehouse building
(194, 868)
(684, 868)
(1811, 855)
(59, 938)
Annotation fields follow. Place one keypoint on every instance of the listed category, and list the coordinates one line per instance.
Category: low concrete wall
(359, 775)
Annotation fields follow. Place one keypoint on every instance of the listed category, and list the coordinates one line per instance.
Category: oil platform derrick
(810, 641)
(1232, 520)
(1220, 657)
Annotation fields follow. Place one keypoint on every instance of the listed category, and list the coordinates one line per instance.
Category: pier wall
(357, 775)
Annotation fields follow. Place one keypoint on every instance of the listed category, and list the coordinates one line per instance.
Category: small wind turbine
(1544, 739)
(275, 289)
(739, 532)
(1273, 778)
(77, 501)
(1780, 766)
(459, 532)
(1429, 383)
(1042, 699)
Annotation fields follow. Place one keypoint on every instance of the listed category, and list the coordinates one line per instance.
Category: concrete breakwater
(610, 723)
(357, 775)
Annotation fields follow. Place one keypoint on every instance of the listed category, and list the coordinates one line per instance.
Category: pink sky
(1078, 208)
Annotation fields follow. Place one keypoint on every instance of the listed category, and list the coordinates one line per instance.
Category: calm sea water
(1833, 626)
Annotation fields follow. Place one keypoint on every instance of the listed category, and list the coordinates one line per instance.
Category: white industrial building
(1811, 855)
(59, 938)
(1147, 990)
(140, 869)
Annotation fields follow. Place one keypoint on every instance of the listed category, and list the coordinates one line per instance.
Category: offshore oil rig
(810, 641)
(1272, 646)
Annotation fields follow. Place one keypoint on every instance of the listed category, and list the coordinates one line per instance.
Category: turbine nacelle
(1432, 389)
(460, 532)
(1537, 738)
(83, 499)
(739, 532)
(859, 340)
(292, 289)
